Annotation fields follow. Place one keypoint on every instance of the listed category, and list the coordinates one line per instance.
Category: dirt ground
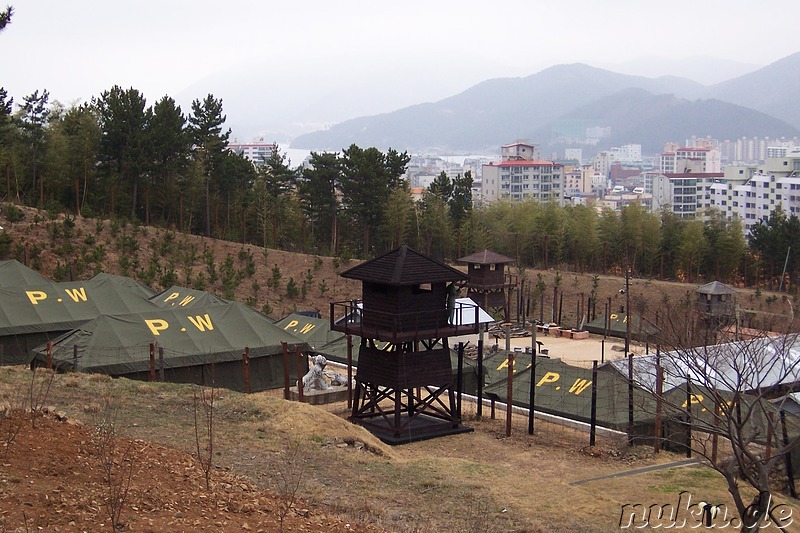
(52, 477)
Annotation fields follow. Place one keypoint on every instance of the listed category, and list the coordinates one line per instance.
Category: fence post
(688, 419)
(285, 370)
(593, 429)
(74, 357)
(480, 378)
(459, 381)
(246, 369)
(349, 371)
(788, 456)
(161, 364)
(659, 392)
(152, 362)
(510, 392)
(299, 374)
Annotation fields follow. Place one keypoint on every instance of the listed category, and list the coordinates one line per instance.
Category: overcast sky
(297, 48)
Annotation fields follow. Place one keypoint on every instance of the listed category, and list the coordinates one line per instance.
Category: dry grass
(479, 481)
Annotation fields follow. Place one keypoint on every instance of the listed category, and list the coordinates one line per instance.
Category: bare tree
(38, 393)
(12, 417)
(117, 462)
(289, 479)
(204, 430)
(731, 394)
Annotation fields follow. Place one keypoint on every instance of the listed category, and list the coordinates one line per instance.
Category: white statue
(315, 377)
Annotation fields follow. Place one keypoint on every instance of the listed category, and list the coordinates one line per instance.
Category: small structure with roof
(716, 299)
(404, 381)
(489, 284)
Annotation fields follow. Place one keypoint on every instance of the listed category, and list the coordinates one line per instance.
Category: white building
(751, 193)
(257, 151)
(696, 160)
(522, 179)
(688, 195)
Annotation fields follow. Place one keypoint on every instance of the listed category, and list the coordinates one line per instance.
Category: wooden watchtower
(489, 284)
(716, 303)
(404, 381)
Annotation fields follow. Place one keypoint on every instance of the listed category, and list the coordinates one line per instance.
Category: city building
(752, 193)
(517, 177)
(257, 152)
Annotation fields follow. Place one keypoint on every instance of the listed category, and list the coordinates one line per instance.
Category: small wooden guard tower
(404, 381)
(489, 284)
(716, 302)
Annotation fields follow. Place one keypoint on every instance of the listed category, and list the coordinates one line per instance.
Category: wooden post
(152, 361)
(285, 371)
(593, 429)
(770, 426)
(74, 357)
(299, 359)
(246, 369)
(788, 456)
(459, 377)
(510, 392)
(532, 391)
(480, 378)
(161, 364)
(349, 371)
(630, 399)
(659, 393)
(688, 419)
(715, 436)
(49, 356)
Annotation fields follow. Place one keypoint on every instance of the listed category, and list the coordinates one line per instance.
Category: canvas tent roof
(215, 334)
(566, 390)
(744, 365)
(49, 306)
(130, 283)
(314, 331)
(618, 326)
(177, 296)
(13, 274)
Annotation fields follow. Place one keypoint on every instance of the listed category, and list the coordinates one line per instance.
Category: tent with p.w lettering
(201, 344)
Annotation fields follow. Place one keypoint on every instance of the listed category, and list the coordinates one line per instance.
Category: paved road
(676, 464)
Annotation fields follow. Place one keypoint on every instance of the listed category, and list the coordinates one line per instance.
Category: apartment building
(688, 194)
(752, 193)
(518, 177)
(256, 151)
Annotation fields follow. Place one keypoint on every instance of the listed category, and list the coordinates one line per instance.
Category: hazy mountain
(497, 111)
(702, 69)
(491, 112)
(638, 116)
(774, 89)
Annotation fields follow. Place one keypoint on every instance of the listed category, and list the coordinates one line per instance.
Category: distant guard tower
(404, 381)
(489, 284)
(716, 303)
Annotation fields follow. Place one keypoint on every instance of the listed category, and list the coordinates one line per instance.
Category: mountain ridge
(489, 113)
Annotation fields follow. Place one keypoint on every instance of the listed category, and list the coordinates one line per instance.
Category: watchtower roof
(486, 257)
(404, 266)
(715, 287)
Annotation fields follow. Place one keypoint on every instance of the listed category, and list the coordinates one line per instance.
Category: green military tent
(565, 390)
(202, 345)
(13, 274)
(314, 331)
(617, 326)
(34, 314)
(177, 296)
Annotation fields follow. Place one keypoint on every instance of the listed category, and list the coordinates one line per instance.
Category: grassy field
(479, 481)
